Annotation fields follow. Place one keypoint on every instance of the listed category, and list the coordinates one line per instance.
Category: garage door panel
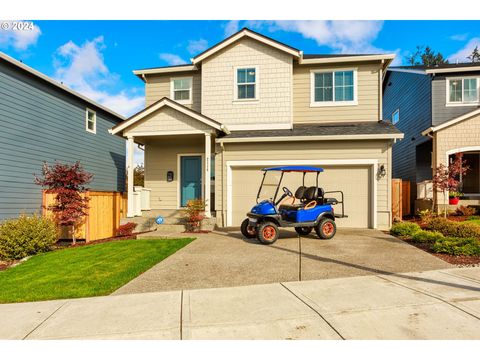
(354, 181)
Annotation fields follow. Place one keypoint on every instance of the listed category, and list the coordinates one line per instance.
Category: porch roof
(451, 122)
(166, 102)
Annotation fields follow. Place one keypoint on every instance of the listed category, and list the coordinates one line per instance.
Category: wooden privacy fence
(400, 198)
(103, 215)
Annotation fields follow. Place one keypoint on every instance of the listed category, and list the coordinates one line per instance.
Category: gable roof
(42, 77)
(245, 32)
(451, 122)
(174, 105)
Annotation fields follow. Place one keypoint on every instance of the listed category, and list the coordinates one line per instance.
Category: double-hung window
(333, 88)
(396, 116)
(463, 91)
(181, 90)
(246, 81)
(91, 121)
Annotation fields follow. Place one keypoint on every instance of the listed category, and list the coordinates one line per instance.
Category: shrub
(194, 214)
(126, 229)
(466, 210)
(27, 235)
(454, 228)
(457, 246)
(424, 236)
(404, 228)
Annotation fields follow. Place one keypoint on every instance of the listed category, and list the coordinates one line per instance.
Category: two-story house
(438, 110)
(251, 102)
(44, 120)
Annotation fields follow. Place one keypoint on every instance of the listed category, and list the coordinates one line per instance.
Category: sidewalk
(439, 304)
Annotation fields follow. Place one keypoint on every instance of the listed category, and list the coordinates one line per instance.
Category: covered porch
(179, 151)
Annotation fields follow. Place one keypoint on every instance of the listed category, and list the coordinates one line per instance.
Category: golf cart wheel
(248, 231)
(326, 229)
(267, 233)
(303, 230)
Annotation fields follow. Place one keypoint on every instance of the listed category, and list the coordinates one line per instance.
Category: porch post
(130, 145)
(208, 152)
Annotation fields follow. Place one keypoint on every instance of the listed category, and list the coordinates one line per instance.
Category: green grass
(473, 221)
(84, 271)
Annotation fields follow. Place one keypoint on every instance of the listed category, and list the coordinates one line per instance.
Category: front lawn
(84, 271)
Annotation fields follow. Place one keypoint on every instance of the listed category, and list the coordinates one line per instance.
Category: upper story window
(396, 116)
(333, 88)
(462, 91)
(181, 90)
(91, 121)
(246, 80)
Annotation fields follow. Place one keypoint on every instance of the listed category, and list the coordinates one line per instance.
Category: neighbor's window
(461, 91)
(91, 121)
(246, 83)
(182, 90)
(396, 117)
(335, 87)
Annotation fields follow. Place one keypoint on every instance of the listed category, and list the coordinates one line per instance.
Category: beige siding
(158, 86)
(166, 119)
(463, 134)
(368, 95)
(161, 155)
(274, 85)
(380, 150)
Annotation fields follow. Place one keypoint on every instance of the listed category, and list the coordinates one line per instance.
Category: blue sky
(96, 58)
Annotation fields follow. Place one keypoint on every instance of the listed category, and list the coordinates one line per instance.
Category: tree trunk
(444, 205)
(73, 235)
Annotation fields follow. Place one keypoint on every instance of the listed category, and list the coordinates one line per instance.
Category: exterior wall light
(382, 171)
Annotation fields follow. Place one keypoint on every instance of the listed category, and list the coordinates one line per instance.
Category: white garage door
(354, 181)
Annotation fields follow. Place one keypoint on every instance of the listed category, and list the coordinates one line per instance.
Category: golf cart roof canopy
(295, 169)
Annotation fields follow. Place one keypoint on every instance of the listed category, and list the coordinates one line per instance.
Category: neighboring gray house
(438, 110)
(43, 120)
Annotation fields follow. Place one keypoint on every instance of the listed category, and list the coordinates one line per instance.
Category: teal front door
(190, 178)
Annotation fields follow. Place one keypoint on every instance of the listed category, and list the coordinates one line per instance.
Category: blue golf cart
(309, 208)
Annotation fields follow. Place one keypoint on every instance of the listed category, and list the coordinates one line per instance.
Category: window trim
(235, 84)
(461, 103)
(172, 90)
(314, 103)
(94, 131)
(396, 112)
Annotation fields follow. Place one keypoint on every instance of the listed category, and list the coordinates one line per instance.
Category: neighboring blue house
(438, 110)
(43, 120)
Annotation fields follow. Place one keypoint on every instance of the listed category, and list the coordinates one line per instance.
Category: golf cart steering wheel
(287, 191)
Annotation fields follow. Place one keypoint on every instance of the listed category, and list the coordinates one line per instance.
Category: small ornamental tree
(446, 179)
(68, 182)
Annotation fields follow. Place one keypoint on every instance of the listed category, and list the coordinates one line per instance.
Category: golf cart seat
(321, 199)
(300, 195)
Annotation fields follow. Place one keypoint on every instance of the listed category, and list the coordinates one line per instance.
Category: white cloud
(232, 27)
(461, 55)
(344, 36)
(459, 37)
(197, 46)
(171, 59)
(19, 39)
(82, 67)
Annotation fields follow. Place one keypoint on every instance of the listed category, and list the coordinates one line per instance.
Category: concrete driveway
(224, 259)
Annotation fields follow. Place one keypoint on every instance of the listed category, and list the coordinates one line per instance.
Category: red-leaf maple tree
(446, 178)
(68, 183)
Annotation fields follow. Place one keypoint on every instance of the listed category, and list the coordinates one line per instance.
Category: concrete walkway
(440, 304)
(222, 259)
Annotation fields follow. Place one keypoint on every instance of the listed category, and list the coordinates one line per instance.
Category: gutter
(310, 138)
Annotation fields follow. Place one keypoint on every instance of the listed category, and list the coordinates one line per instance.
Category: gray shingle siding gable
(440, 112)
(411, 94)
(40, 123)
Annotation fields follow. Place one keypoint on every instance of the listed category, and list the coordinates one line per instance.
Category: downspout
(224, 188)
